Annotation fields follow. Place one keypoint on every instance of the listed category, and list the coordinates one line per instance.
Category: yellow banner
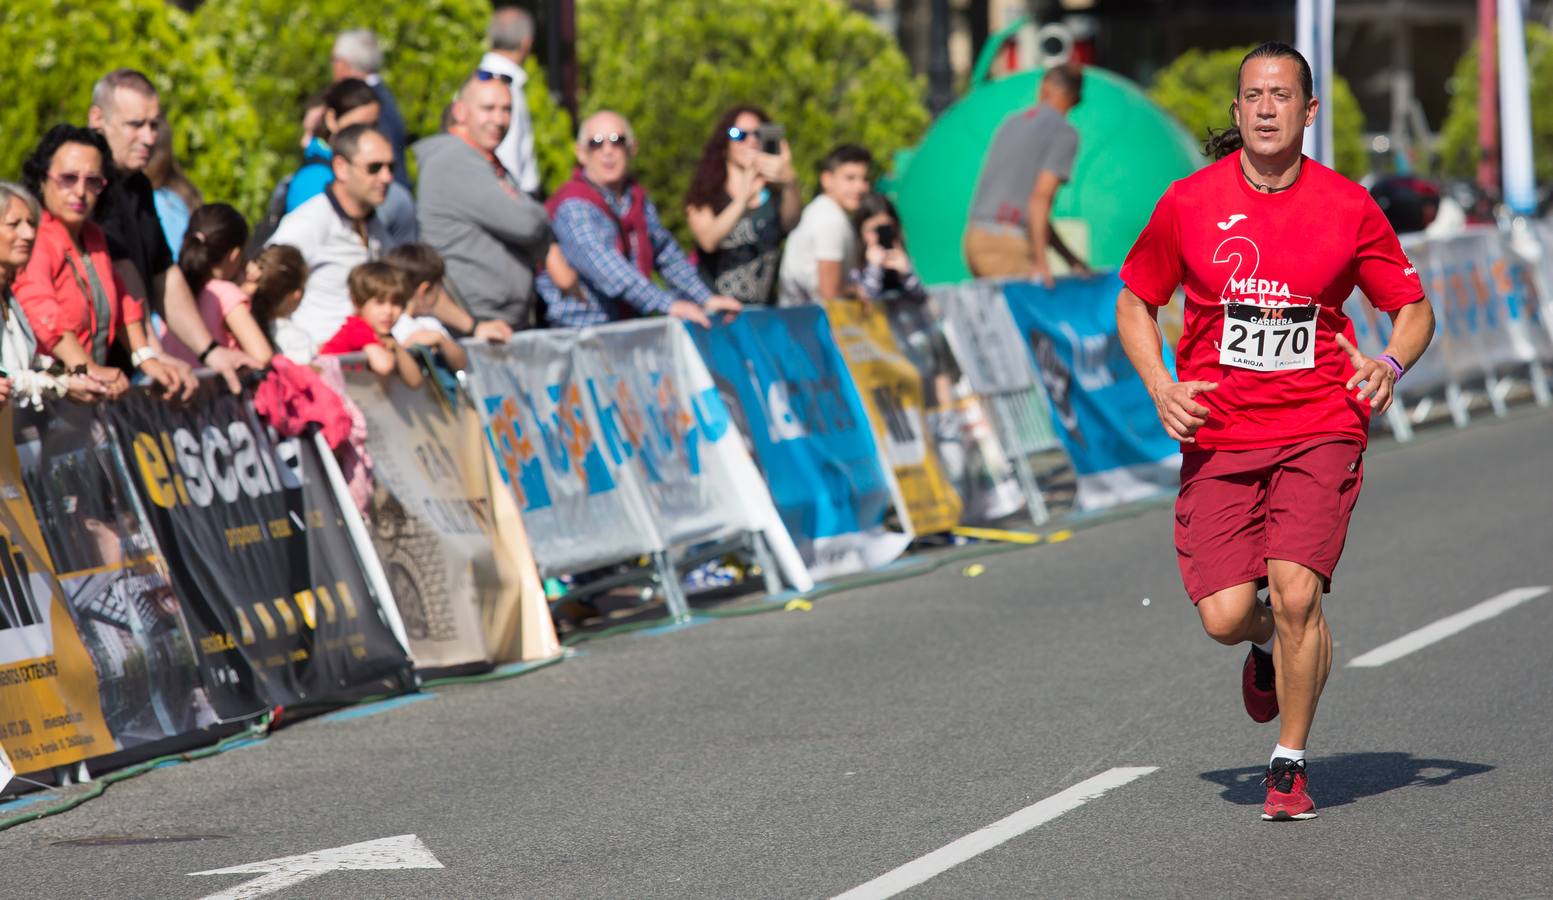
(50, 714)
(891, 389)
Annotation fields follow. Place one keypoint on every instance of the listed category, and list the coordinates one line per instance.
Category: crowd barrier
(170, 569)
(1492, 294)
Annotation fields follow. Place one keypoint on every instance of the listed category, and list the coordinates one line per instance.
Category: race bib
(1268, 339)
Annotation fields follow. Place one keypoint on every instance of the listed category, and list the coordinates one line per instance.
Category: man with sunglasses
(610, 234)
(492, 235)
(337, 231)
(511, 35)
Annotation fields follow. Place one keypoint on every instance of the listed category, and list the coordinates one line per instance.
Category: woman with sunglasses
(741, 204)
(69, 291)
(21, 370)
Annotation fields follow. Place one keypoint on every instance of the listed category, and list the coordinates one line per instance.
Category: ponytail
(275, 274)
(1222, 143)
(214, 232)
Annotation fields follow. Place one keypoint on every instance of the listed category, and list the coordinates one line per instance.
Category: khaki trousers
(996, 254)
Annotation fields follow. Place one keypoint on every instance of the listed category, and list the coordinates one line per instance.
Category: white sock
(1282, 752)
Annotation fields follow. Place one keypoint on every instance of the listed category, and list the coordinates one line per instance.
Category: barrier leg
(761, 552)
(1006, 431)
(1497, 388)
(1401, 428)
(1456, 401)
(668, 580)
(1539, 385)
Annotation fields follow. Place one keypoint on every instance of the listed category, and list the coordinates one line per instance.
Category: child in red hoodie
(379, 291)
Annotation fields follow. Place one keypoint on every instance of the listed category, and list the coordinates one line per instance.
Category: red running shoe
(1257, 686)
(1286, 797)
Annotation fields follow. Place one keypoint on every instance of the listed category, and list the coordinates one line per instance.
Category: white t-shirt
(824, 233)
(408, 325)
(294, 342)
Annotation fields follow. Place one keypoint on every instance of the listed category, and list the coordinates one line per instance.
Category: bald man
(492, 235)
(612, 237)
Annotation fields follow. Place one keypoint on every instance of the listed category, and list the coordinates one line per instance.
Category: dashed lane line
(947, 857)
(1444, 628)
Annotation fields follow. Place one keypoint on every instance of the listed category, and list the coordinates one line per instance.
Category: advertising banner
(50, 714)
(1104, 416)
(431, 520)
(987, 344)
(116, 588)
(664, 424)
(581, 512)
(891, 391)
(254, 541)
(783, 379)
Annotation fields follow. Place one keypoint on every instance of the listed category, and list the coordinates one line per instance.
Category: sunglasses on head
(613, 138)
(485, 75)
(67, 181)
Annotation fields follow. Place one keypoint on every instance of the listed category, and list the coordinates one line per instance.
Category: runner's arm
(1137, 326)
(1412, 328)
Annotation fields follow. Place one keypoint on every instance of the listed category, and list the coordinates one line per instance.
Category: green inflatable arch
(1129, 152)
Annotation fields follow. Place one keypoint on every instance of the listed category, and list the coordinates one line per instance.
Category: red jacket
(51, 297)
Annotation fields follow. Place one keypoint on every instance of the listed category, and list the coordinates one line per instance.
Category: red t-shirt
(354, 335)
(1264, 260)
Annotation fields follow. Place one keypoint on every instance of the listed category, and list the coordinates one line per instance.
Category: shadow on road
(1347, 777)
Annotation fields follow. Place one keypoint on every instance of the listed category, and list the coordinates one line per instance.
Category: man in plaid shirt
(612, 237)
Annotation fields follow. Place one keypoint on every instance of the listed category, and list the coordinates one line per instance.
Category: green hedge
(673, 66)
(1198, 87)
(1459, 149)
(56, 51)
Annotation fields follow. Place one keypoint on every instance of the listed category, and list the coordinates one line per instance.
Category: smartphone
(770, 136)
(886, 235)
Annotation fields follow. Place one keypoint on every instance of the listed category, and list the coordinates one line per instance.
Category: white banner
(985, 341)
(616, 445)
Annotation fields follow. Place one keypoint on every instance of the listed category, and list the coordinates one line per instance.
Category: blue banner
(786, 384)
(1103, 413)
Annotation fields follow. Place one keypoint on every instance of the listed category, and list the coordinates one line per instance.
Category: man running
(1274, 402)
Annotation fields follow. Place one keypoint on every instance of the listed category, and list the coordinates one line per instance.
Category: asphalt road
(803, 754)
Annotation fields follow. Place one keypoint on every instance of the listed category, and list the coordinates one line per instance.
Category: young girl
(212, 259)
(273, 282)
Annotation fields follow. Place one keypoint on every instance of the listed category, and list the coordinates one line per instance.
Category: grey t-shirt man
(1037, 140)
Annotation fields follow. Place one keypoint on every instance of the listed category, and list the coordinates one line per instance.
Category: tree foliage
(673, 66)
(56, 51)
(1459, 150)
(1198, 87)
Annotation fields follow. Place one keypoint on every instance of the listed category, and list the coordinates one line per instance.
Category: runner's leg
(1303, 652)
(1232, 615)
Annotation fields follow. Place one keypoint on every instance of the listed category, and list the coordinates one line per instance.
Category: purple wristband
(1392, 362)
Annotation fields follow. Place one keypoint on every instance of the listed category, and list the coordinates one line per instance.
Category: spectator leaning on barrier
(511, 35)
(273, 282)
(175, 196)
(379, 293)
(346, 103)
(419, 326)
(823, 249)
(741, 203)
(357, 55)
(24, 377)
(1031, 156)
(491, 234)
(610, 234)
(127, 113)
(337, 231)
(212, 261)
(70, 290)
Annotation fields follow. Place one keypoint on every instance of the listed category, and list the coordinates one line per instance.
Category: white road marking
(1446, 627)
(947, 857)
(402, 852)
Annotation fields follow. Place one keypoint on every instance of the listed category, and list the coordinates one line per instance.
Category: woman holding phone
(743, 200)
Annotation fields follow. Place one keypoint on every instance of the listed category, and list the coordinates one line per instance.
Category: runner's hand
(1178, 412)
(1378, 378)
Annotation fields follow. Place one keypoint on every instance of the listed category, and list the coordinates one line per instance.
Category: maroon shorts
(1240, 508)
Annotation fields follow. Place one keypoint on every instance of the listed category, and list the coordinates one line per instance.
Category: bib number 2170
(1268, 339)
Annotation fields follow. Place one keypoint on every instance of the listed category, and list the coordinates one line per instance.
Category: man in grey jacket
(491, 235)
